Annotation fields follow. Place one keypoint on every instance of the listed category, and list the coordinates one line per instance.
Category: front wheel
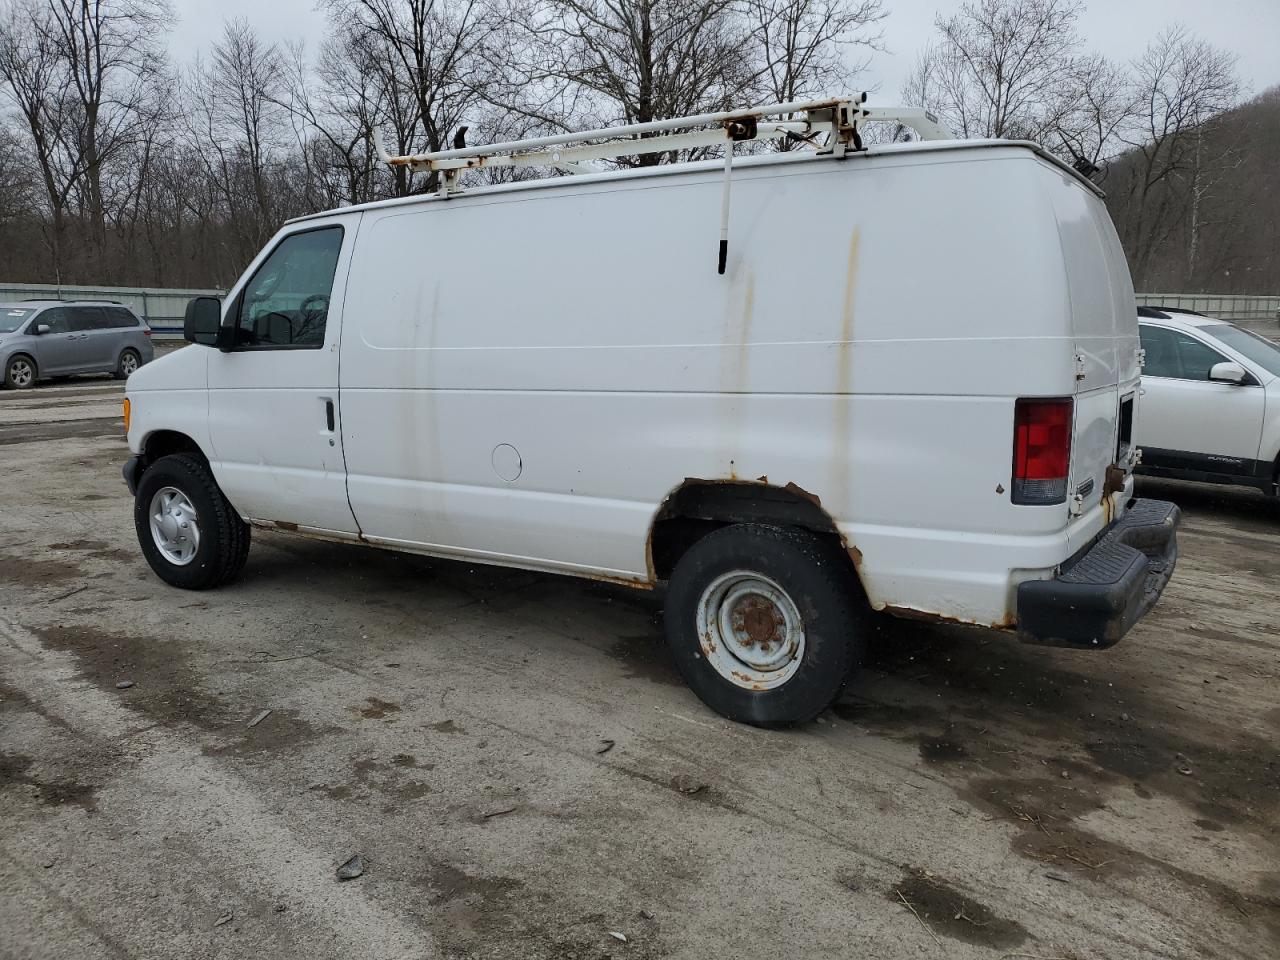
(765, 623)
(20, 373)
(189, 532)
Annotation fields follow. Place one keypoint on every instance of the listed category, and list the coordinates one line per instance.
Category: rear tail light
(146, 331)
(1041, 451)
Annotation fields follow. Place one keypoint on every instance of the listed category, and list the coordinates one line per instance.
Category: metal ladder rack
(829, 126)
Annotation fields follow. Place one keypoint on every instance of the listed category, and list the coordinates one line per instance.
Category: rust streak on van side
(843, 414)
(735, 364)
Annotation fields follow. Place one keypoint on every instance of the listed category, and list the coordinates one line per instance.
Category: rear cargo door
(1104, 328)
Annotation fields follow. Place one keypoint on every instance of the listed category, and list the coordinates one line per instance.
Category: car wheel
(765, 623)
(190, 534)
(20, 373)
(130, 360)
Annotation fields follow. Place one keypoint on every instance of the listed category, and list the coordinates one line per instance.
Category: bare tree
(34, 81)
(636, 61)
(1180, 83)
(804, 47)
(1001, 68)
(439, 58)
(109, 53)
(1100, 107)
(246, 86)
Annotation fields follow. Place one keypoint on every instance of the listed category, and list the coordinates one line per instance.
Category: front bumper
(1101, 593)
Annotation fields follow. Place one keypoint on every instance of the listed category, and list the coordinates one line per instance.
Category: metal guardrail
(1224, 306)
(162, 307)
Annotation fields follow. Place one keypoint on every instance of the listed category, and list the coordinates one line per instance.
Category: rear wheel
(765, 623)
(20, 373)
(189, 532)
(130, 360)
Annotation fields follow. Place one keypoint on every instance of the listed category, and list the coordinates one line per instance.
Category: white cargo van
(795, 390)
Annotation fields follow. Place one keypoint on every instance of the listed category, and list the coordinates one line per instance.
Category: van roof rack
(829, 126)
(806, 120)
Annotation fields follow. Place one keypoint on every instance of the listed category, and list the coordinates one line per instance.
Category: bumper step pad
(1100, 594)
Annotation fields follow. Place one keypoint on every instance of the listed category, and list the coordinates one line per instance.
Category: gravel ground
(524, 776)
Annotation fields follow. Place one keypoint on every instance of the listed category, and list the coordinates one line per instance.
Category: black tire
(224, 537)
(119, 373)
(13, 376)
(825, 593)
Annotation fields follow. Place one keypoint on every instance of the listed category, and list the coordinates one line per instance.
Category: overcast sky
(1116, 28)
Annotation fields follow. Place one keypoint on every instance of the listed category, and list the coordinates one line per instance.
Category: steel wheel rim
(129, 363)
(750, 630)
(174, 526)
(20, 373)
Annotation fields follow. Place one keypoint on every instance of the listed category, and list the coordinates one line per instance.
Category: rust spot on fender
(286, 525)
(799, 491)
(1114, 482)
(930, 616)
(632, 582)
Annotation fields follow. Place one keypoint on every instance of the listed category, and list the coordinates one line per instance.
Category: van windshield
(11, 319)
(1258, 349)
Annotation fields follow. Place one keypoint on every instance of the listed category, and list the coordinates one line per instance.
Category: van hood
(186, 368)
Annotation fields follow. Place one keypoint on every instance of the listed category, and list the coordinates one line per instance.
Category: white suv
(567, 375)
(1211, 400)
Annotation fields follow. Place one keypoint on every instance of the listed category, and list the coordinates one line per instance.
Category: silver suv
(54, 338)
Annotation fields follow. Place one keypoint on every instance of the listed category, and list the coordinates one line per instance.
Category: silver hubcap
(129, 363)
(173, 526)
(750, 630)
(20, 373)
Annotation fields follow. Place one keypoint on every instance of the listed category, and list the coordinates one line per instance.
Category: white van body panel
(525, 374)
(270, 446)
(176, 399)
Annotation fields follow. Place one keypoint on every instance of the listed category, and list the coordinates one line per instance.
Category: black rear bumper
(1101, 593)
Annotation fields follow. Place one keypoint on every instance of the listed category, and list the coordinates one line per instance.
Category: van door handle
(328, 414)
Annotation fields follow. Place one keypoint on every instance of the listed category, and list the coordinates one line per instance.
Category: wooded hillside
(1212, 225)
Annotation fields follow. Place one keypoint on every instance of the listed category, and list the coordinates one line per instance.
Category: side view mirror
(1228, 372)
(41, 329)
(202, 321)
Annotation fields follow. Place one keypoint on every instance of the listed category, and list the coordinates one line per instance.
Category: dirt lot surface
(524, 776)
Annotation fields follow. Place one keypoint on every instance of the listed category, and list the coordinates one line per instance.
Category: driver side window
(285, 305)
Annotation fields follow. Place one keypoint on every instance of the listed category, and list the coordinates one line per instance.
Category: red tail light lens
(146, 331)
(1041, 451)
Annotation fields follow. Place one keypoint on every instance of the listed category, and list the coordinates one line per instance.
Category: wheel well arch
(697, 507)
(24, 355)
(163, 443)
